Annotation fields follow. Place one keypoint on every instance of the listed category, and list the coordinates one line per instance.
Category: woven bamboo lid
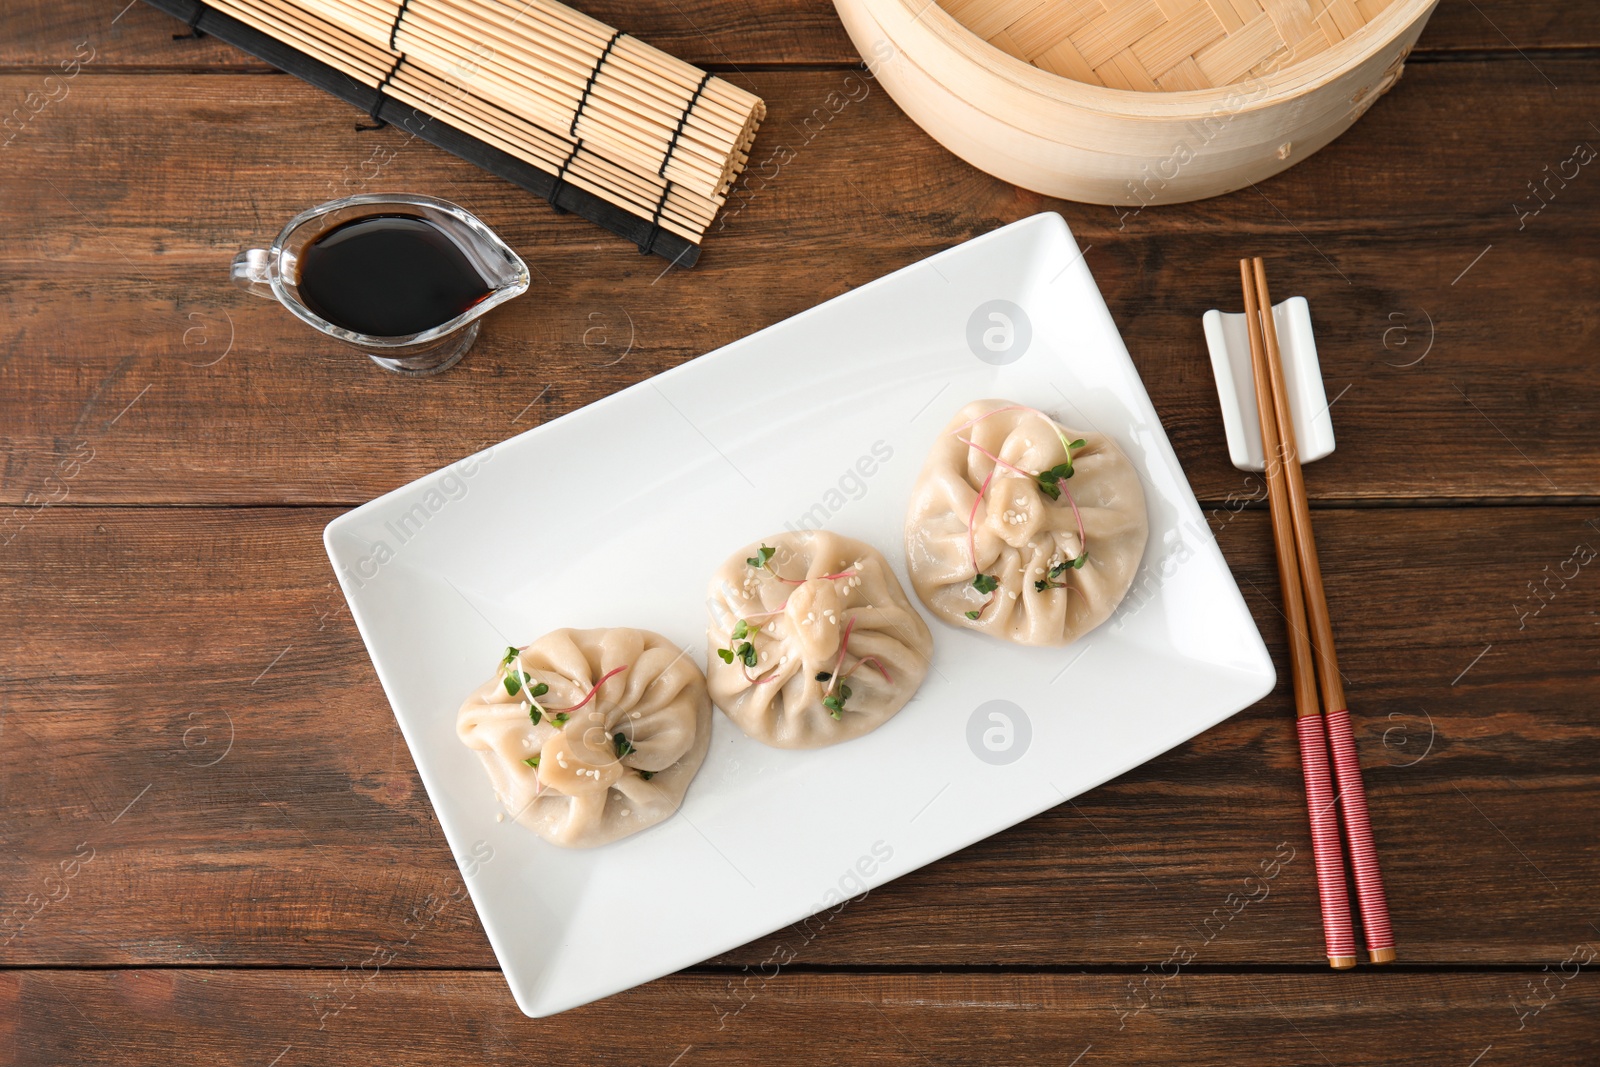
(1163, 45)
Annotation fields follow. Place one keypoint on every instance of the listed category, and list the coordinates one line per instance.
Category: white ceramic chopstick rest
(1229, 341)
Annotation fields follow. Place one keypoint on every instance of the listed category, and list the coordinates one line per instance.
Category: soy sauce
(388, 275)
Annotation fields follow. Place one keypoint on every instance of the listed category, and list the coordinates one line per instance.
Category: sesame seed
(499, 816)
(627, 811)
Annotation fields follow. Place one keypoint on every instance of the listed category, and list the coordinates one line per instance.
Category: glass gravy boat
(273, 273)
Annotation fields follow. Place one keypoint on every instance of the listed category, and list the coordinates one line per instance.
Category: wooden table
(217, 851)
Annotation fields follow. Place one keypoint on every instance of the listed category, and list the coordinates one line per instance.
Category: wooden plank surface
(197, 665)
(203, 793)
(1423, 285)
(436, 1019)
(728, 37)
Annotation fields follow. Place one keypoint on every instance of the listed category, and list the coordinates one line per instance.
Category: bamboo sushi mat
(591, 109)
(1163, 45)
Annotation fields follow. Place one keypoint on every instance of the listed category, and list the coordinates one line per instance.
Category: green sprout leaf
(1050, 480)
(824, 676)
(835, 702)
(647, 775)
(623, 745)
(510, 655)
(1040, 586)
(761, 558)
(534, 714)
(560, 718)
(985, 583)
(516, 679)
(726, 654)
(973, 615)
(747, 654)
(532, 761)
(741, 630)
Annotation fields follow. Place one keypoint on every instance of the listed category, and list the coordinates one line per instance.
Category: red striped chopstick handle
(1326, 852)
(1358, 831)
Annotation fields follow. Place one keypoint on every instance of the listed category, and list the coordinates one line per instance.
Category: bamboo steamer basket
(1134, 102)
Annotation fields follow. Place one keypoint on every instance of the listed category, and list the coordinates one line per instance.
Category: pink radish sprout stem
(874, 661)
(753, 680)
(998, 461)
(820, 577)
(1083, 538)
(612, 673)
(972, 520)
(844, 646)
(985, 415)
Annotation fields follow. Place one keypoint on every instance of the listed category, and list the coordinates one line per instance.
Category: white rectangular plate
(616, 515)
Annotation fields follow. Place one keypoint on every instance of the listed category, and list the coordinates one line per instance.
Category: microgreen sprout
(623, 745)
(560, 718)
(532, 761)
(835, 702)
(1050, 480)
(985, 584)
(762, 560)
(738, 648)
(1059, 569)
(1049, 483)
(835, 692)
(517, 680)
(647, 775)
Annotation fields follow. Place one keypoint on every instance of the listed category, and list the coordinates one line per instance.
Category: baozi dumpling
(1022, 529)
(590, 735)
(812, 640)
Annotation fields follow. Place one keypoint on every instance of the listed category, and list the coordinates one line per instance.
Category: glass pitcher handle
(252, 271)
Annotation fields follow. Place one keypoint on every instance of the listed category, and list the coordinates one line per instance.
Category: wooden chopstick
(1326, 853)
(1370, 897)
